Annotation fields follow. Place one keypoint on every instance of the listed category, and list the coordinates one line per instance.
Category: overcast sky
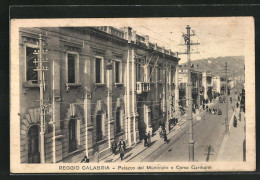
(217, 36)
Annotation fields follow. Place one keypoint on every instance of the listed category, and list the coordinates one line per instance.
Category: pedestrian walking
(122, 151)
(149, 138)
(165, 136)
(235, 121)
(160, 131)
(114, 147)
(85, 160)
(207, 108)
(145, 139)
(122, 143)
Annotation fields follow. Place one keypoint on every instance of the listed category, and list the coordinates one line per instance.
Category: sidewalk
(232, 145)
(138, 152)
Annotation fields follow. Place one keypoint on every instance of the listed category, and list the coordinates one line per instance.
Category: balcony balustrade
(142, 87)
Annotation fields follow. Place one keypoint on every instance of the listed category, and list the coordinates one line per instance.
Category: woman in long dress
(149, 139)
(122, 151)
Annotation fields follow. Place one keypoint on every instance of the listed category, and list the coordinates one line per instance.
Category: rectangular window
(159, 74)
(117, 73)
(98, 70)
(31, 74)
(138, 69)
(71, 68)
(151, 75)
(173, 76)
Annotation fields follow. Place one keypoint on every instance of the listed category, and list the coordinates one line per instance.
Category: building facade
(197, 88)
(101, 84)
(207, 83)
(216, 84)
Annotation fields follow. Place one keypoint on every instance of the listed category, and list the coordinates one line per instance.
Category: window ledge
(119, 133)
(76, 151)
(100, 84)
(112, 121)
(72, 85)
(90, 127)
(118, 84)
(29, 84)
(101, 141)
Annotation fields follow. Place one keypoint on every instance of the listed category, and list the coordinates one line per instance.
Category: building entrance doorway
(33, 145)
(72, 135)
(99, 126)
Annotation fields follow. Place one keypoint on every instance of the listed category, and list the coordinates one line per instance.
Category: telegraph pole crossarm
(189, 90)
(41, 68)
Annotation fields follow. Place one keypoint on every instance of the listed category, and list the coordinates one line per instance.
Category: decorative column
(128, 99)
(134, 94)
(86, 122)
(177, 91)
(170, 92)
(109, 68)
(166, 98)
(198, 89)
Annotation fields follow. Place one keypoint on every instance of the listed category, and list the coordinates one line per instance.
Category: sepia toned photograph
(132, 95)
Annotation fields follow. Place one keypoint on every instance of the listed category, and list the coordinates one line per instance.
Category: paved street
(208, 135)
(211, 143)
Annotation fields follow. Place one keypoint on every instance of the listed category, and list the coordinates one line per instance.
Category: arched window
(72, 135)
(33, 145)
(99, 126)
(118, 121)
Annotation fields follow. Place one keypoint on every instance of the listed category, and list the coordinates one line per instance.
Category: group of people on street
(163, 134)
(121, 146)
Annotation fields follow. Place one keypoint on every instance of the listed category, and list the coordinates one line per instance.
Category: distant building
(207, 84)
(216, 84)
(197, 89)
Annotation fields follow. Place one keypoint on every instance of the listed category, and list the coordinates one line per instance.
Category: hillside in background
(216, 65)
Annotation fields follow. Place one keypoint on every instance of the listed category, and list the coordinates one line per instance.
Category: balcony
(142, 87)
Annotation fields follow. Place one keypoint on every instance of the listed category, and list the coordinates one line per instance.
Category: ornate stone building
(106, 84)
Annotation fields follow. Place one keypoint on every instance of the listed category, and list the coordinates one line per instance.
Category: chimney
(128, 34)
(147, 40)
(134, 38)
(155, 46)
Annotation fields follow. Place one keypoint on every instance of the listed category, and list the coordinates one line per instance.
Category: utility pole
(41, 69)
(189, 117)
(166, 98)
(226, 119)
(41, 101)
(53, 114)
